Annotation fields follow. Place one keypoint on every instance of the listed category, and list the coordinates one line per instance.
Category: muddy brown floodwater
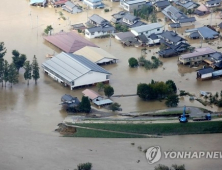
(29, 114)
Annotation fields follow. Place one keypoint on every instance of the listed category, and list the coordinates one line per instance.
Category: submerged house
(160, 5)
(147, 30)
(197, 56)
(69, 101)
(99, 31)
(127, 19)
(188, 4)
(206, 33)
(71, 8)
(213, 3)
(97, 55)
(38, 2)
(74, 70)
(173, 42)
(202, 10)
(96, 98)
(93, 4)
(177, 16)
(205, 73)
(131, 5)
(96, 20)
(58, 3)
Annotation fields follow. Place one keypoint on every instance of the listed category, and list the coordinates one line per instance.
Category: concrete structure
(96, 55)
(153, 28)
(130, 5)
(177, 16)
(71, 8)
(197, 56)
(74, 70)
(93, 4)
(100, 31)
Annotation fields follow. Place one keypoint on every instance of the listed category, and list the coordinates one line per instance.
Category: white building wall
(148, 32)
(90, 78)
(95, 34)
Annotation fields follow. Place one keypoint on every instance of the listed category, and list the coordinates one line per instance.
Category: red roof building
(68, 42)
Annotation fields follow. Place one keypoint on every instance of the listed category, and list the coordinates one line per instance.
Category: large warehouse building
(74, 70)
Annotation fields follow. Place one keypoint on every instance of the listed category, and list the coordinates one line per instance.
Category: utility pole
(211, 12)
(37, 24)
(110, 38)
(31, 18)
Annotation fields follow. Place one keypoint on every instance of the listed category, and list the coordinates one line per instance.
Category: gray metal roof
(70, 4)
(206, 32)
(213, 2)
(131, 2)
(161, 4)
(103, 102)
(172, 36)
(176, 15)
(130, 17)
(98, 19)
(71, 66)
(101, 29)
(148, 27)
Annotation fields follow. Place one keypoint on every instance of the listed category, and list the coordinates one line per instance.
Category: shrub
(133, 62)
(85, 166)
(106, 10)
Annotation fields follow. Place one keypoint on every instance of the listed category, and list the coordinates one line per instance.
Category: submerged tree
(6, 70)
(48, 29)
(85, 105)
(114, 107)
(35, 69)
(18, 59)
(108, 90)
(1, 70)
(12, 74)
(172, 100)
(100, 86)
(2, 50)
(28, 71)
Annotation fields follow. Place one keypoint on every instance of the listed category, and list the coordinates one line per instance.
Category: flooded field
(29, 114)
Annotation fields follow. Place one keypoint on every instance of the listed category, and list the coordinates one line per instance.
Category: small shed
(205, 73)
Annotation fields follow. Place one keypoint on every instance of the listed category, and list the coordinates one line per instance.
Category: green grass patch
(101, 134)
(161, 129)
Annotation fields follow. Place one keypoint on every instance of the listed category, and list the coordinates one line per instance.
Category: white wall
(90, 78)
(148, 32)
(95, 34)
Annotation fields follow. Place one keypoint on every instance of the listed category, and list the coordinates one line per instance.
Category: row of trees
(10, 72)
(158, 91)
(147, 13)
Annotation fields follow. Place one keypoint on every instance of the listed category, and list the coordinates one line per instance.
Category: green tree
(114, 107)
(6, 72)
(85, 166)
(18, 60)
(1, 70)
(133, 62)
(108, 90)
(172, 100)
(178, 167)
(12, 74)
(2, 50)
(100, 86)
(171, 85)
(85, 105)
(28, 71)
(142, 91)
(35, 69)
(48, 29)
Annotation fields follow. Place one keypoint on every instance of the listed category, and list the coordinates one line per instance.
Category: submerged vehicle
(206, 117)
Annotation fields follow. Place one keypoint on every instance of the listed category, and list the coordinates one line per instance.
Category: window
(107, 76)
(73, 83)
(158, 29)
